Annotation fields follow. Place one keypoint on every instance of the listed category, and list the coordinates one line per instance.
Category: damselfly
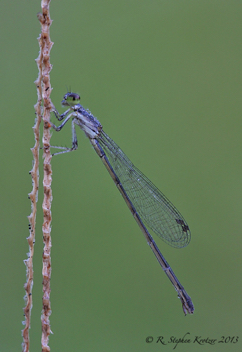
(147, 204)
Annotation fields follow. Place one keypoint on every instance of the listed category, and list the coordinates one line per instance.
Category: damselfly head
(71, 99)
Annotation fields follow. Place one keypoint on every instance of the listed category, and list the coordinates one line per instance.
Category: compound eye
(74, 96)
(71, 99)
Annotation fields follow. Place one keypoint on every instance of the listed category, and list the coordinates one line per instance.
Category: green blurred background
(164, 79)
